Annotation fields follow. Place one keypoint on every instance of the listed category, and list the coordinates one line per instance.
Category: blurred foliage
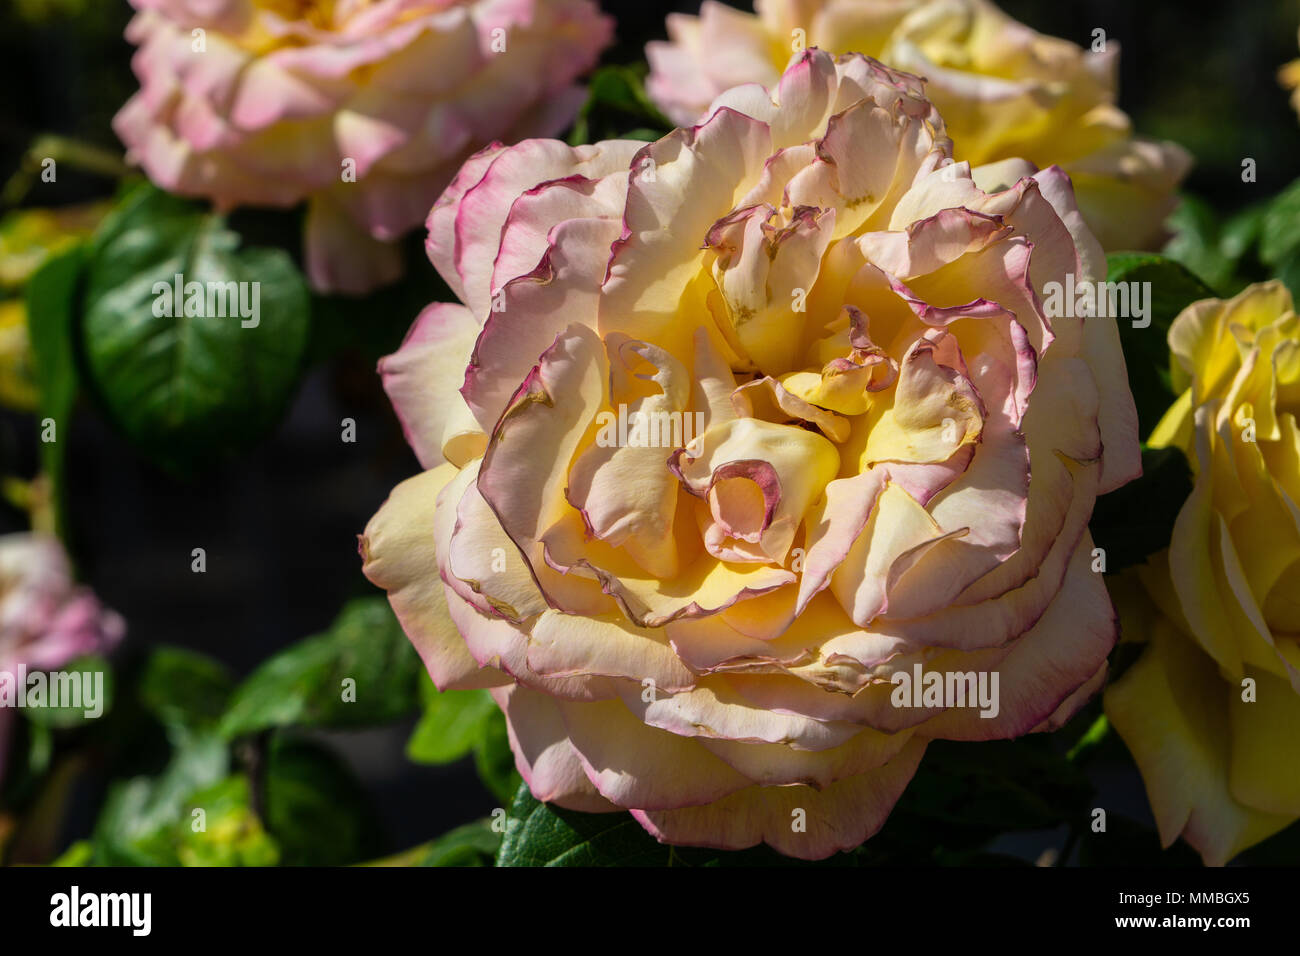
(318, 811)
(453, 721)
(1220, 252)
(617, 107)
(1202, 73)
(1128, 843)
(17, 373)
(1146, 349)
(184, 689)
(1137, 519)
(51, 327)
(186, 388)
(271, 796)
(30, 237)
(43, 11)
(361, 672)
(91, 668)
(962, 797)
(475, 844)
(457, 723)
(1257, 243)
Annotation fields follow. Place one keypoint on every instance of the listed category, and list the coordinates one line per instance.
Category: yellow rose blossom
(31, 236)
(1289, 77)
(27, 239)
(1211, 709)
(17, 385)
(1010, 96)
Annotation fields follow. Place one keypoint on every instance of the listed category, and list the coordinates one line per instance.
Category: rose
(28, 239)
(724, 47)
(1212, 707)
(365, 108)
(875, 456)
(46, 620)
(1006, 92)
(17, 377)
(1289, 77)
(31, 237)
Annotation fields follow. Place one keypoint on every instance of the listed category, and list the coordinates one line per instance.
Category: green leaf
(456, 723)
(616, 102)
(991, 787)
(184, 688)
(1196, 242)
(1225, 254)
(1092, 739)
(1146, 350)
(644, 134)
(318, 812)
(1137, 520)
(1288, 270)
(89, 675)
(80, 853)
(452, 724)
(1279, 237)
(188, 389)
(51, 301)
(135, 825)
(474, 844)
(1280, 226)
(30, 754)
(230, 833)
(964, 795)
(538, 834)
(361, 672)
(213, 825)
(1241, 234)
(494, 760)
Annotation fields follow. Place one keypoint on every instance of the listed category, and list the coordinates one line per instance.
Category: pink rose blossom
(46, 620)
(272, 102)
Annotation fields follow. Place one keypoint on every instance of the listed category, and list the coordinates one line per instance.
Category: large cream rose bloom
(733, 436)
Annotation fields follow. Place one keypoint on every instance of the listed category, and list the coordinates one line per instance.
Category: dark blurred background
(279, 525)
